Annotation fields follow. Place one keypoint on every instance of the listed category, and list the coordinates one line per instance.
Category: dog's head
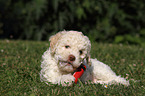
(69, 49)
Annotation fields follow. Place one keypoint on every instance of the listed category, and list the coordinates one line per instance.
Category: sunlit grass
(20, 67)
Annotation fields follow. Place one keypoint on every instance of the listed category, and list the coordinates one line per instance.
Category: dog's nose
(71, 58)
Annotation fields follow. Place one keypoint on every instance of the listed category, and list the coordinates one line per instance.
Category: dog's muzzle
(67, 63)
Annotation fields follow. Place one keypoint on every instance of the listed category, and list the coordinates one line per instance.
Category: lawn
(20, 66)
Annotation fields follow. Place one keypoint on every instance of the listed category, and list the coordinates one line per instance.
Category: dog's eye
(81, 52)
(67, 46)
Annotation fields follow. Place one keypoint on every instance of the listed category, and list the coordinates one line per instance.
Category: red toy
(79, 72)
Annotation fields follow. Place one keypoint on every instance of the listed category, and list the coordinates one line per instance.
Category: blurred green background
(114, 21)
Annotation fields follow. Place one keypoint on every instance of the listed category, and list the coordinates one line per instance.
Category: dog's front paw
(67, 80)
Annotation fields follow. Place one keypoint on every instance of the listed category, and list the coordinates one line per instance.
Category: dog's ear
(53, 41)
(88, 59)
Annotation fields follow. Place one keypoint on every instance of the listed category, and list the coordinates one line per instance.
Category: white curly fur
(58, 69)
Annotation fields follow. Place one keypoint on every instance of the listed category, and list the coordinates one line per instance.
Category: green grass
(20, 66)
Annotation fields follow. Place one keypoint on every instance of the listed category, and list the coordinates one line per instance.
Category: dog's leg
(104, 75)
(56, 78)
(67, 80)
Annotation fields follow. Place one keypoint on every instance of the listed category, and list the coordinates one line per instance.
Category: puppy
(68, 50)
